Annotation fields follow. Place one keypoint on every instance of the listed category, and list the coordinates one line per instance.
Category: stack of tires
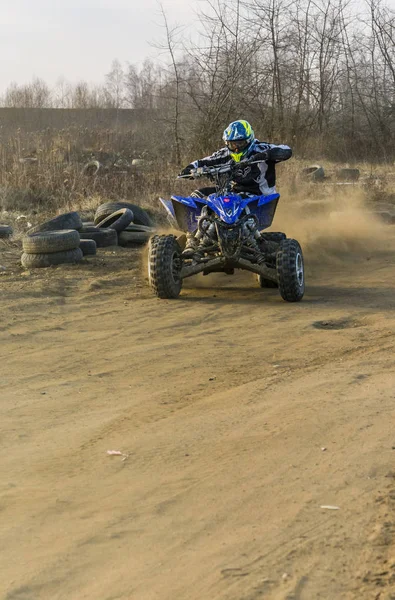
(47, 248)
(66, 239)
(119, 222)
(55, 242)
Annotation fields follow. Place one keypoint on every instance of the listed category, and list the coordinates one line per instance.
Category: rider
(257, 179)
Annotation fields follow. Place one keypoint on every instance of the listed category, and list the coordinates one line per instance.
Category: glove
(261, 155)
(187, 171)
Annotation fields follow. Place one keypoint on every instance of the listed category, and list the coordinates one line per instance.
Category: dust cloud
(334, 225)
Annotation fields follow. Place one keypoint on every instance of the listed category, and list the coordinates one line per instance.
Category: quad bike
(229, 229)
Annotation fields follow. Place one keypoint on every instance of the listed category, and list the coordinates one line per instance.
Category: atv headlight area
(228, 208)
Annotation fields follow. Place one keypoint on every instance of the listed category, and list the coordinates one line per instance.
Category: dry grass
(54, 180)
(45, 171)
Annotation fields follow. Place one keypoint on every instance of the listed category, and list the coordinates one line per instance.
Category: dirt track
(240, 415)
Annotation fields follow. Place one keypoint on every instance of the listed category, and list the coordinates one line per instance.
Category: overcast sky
(78, 39)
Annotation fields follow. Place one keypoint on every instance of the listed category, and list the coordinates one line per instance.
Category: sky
(78, 39)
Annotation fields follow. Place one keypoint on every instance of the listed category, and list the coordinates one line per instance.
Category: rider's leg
(193, 239)
(191, 246)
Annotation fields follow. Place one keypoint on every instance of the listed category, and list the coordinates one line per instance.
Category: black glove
(261, 155)
(187, 171)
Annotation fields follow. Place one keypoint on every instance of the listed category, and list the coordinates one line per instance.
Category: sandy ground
(240, 416)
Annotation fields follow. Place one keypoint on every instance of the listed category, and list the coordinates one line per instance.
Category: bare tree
(62, 94)
(115, 86)
(219, 74)
(142, 87)
(81, 95)
(171, 45)
(32, 95)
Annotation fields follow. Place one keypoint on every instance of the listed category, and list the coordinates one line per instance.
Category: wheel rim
(299, 269)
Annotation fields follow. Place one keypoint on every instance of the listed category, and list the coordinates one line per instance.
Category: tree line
(316, 74)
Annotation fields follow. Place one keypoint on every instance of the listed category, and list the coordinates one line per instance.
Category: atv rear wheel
(273, 236)
(290, 270)
(164, 266)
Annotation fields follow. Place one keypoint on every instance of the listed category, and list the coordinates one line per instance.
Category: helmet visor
(237, 145)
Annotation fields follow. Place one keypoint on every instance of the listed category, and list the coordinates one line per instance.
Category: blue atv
(229, 231)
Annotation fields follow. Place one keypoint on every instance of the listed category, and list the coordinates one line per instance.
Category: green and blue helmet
(238, 137)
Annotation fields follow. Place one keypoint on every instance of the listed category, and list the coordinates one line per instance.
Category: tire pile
(66, 239)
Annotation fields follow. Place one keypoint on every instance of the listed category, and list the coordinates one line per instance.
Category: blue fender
(183, 212)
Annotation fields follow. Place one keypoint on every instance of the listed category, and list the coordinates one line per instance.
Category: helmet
(239, 137)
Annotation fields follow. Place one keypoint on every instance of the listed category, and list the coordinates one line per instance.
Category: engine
(216, 234)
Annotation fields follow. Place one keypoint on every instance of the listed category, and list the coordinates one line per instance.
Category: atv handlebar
(205, 171)
(221, 169)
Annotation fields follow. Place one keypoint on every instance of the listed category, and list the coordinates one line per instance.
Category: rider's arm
(219, 157)
(274, 153)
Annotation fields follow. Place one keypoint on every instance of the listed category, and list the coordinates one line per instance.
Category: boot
(191, 246)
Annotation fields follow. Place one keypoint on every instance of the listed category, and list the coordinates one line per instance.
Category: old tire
(88, 247)
(140, 216)
(103, 237)
(45, 242)
(37, 261)
(118, 220)
(313, 173)
(133, 237)
(348, 174)
(5, 231)
(385, 216)
(290, 270)
(88, 228)
(66, 221)
(145, 228)
(164, 266)
(91, 168)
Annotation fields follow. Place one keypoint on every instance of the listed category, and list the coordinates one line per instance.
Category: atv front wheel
(164, 266)
(290, 270)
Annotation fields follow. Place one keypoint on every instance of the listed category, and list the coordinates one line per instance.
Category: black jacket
(259, 179)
